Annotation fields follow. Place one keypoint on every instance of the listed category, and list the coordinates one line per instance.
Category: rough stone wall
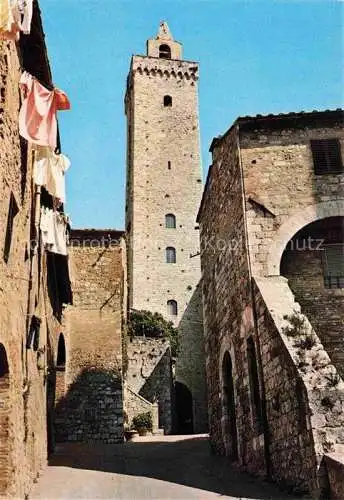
(226, 294)
(335, 469)
(324, 307)
(92, 406)
(260, 191)
(150, 375)
(164, 177)
(279, 174)
(190, 365)
(134, 404)
(159, 135)
(24, 447)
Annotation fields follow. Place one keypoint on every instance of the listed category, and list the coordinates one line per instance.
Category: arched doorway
(4, 420)
(184, 409)
(228, 409)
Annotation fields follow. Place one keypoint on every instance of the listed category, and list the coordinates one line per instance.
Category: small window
(327, 156)
(333, 264)
(167, 101)
(164, 52)
(172, 308)
(61, 354)
(170, 221)
(169, 165)
(170, 255)
(12, 212)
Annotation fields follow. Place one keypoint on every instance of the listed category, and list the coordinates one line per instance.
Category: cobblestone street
(162, 467)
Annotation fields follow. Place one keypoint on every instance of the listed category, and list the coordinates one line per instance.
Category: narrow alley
(160, 467)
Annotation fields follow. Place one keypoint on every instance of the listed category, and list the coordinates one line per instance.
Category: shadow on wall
(158, 388)
(92, 408)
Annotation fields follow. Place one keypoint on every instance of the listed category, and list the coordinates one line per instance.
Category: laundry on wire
(49, 171)
(15, 16)
(37, 116)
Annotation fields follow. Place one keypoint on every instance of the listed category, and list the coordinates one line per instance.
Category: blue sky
(255, 56)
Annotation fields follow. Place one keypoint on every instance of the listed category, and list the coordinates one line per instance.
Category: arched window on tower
(170, 255)
(170, 221)
(167, 101)
(164, 52)
(172, 308)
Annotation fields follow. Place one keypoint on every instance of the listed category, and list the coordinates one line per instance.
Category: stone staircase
(135, 404)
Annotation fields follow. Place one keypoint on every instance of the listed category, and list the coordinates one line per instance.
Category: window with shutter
(333, 263)
(327, 157)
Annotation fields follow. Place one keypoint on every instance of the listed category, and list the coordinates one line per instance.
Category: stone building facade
(164, 187)
(31, 299)
(272, 239)
(89, 404)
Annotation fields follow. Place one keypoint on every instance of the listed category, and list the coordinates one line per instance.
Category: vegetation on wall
(153, 325)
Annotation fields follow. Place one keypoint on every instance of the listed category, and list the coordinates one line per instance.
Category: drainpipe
(266, 431)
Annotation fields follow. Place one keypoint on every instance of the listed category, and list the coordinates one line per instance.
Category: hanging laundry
(10, 22)
(15, 16)
(53, 227)
(37, 117)
(49, 171)
(25, 8)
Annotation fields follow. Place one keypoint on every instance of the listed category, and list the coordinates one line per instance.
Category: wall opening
(170, 221)
(171, 255)
(4, 422)
(61, 354)
(256, 402)
(172, 308)
(12, 212)
(164, 51)
(228, 411)
(167, 101)
(184, 409)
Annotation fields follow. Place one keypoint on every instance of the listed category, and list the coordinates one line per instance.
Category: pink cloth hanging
(37, 117)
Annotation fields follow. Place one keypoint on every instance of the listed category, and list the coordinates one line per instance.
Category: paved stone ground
(160, 467)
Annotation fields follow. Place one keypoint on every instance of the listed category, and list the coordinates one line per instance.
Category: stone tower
(164, 189)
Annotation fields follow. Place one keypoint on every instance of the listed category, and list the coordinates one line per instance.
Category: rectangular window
(12, 212)
(327, 157)
(333, 264)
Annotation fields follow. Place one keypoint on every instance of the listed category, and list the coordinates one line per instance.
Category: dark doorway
(230, 428)
(184, 409)
(5, 465)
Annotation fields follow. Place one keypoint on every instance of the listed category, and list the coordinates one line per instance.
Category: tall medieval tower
(164, 189)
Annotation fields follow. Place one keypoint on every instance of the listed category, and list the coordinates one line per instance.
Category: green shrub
(143, 421)
(153, 325)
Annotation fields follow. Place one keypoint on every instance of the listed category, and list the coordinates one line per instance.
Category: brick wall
(92, 406)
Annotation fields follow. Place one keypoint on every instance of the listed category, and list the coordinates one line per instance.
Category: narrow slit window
(254, 384)
(169, 166)
(12, 212)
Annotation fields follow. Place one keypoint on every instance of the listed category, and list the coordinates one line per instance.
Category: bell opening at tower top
(164, 46)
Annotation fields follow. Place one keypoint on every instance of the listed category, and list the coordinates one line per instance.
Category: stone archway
(4, 421)
(295, 223)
